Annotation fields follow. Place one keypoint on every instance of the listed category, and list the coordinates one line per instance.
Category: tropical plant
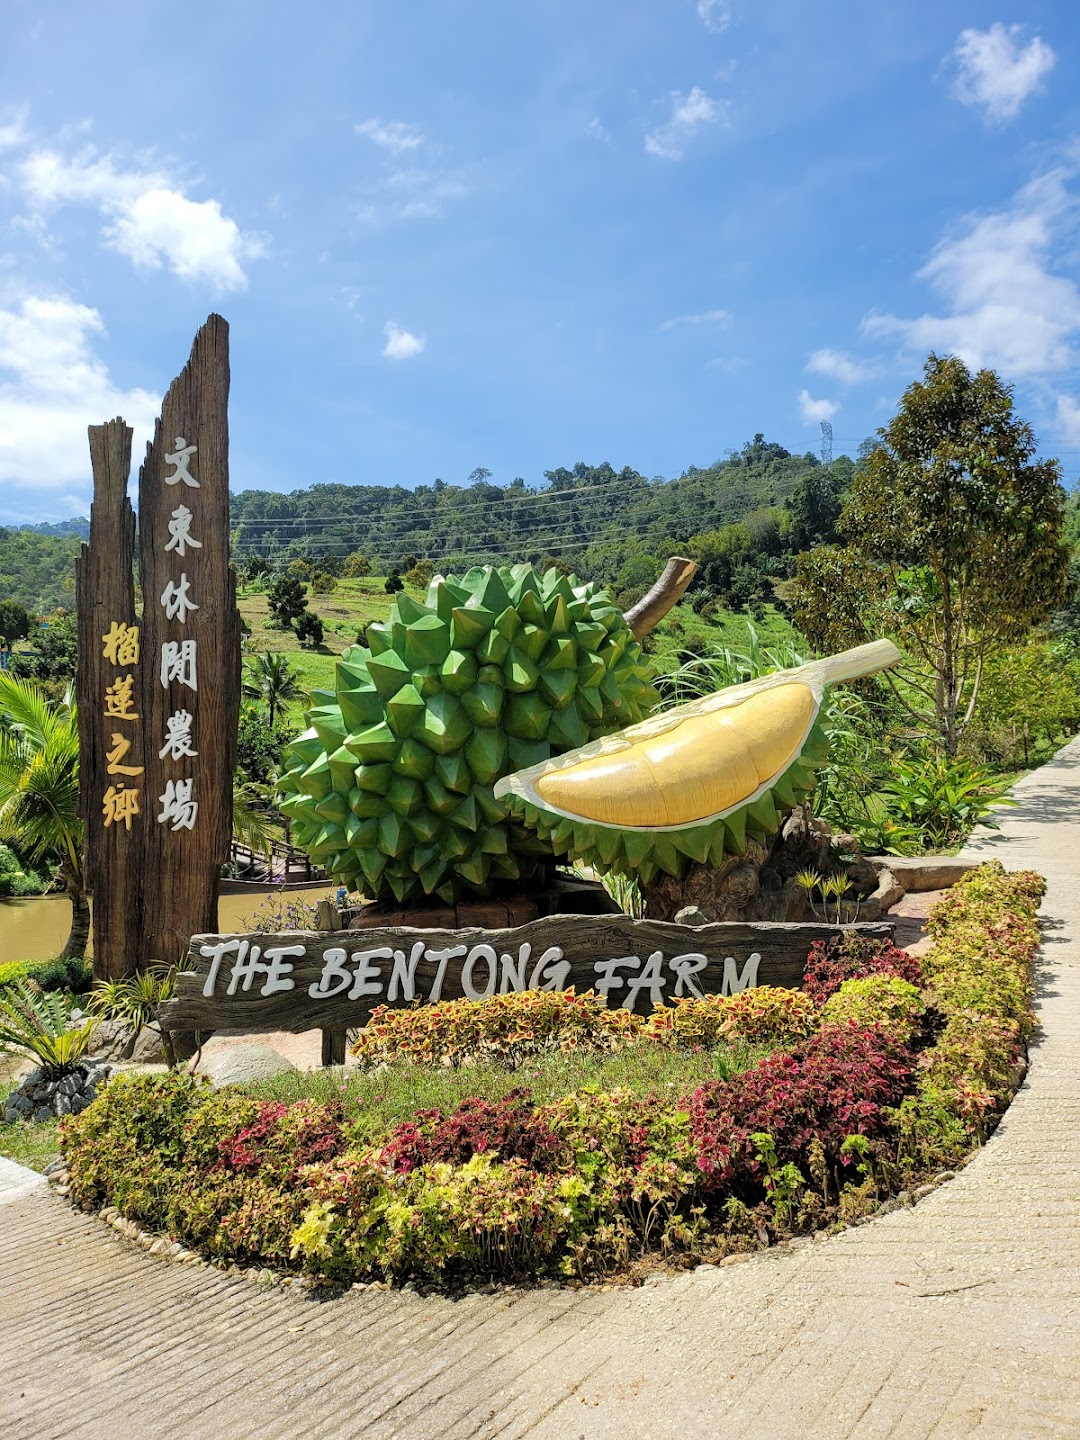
(39, 790)
(135, 1000)
(269, 677)
(942, 799)
(38, 1022)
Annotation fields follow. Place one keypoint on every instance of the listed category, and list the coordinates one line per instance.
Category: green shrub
(38, 1023)
(58, 972)
(883, 1000)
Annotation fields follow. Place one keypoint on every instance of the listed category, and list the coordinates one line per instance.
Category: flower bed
(883, 1071)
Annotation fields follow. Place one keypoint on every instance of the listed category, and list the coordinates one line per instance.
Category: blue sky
(451, 235)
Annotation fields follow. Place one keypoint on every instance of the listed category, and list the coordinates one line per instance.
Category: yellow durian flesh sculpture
(690, 784)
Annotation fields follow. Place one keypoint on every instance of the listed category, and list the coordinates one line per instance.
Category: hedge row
(58, 972)
(888, 1071)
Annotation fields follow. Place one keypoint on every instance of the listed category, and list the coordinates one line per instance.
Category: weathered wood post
(191, 638)
(107, 691)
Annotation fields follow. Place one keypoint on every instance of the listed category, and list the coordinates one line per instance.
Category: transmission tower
(826, 442)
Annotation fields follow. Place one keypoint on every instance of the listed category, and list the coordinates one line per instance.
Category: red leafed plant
(851, 956)
(838, 1083)
(509, 1128)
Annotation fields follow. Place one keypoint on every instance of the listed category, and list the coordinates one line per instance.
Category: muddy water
(34, 929)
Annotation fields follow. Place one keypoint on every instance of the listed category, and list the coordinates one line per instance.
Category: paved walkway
(958, 1318)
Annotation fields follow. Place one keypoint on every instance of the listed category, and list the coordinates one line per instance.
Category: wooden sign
(108, 689)
(308, 980)
(159, 692)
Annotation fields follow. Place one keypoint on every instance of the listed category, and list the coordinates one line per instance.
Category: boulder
(147, 1048)
(243, 1064)
(923, 872)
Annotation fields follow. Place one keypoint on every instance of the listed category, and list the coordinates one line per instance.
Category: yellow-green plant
(136, 1000)
(38, 1023)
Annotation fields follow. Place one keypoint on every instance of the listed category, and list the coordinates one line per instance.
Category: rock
(691, 915)
(147, 1048)
(888, 891)
(42, 1113)
(113, 1040)
(242, 1064)
(921, 1191)
(923, 872)
(919, 948)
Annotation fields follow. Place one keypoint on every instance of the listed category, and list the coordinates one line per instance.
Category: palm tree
(39, 790)
(270, 677)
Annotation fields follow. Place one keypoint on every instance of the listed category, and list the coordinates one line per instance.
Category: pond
(35, 928)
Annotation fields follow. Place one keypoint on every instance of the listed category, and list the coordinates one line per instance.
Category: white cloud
(413, 194)
(1068, 417)
(151, 221)
(597, 131)
(838, 365)
(394, 135)
(12, 134)
(715, 14)
(687, 113)
(813, 410)
(706, 317)
(52, 385)
(1004, 307)
(996, 72)
(401, 344)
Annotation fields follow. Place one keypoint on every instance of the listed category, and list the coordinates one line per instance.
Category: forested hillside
(740, 517)
(38, 570)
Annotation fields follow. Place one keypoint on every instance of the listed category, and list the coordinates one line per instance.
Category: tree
(322, 583)
(309, 629)
(394, 583)
(259, 748)
(356, 566)
(270, 677)
(286, 600)
(954, 543)
(39, 791)
(14, 623)
(54, 657)
(420, 575)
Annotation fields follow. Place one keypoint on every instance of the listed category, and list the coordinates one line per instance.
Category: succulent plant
(391, 789)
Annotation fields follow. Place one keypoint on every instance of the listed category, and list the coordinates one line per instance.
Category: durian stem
(668, 591)
(854, 664)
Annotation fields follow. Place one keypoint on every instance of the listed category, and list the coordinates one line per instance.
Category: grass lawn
(383, 1097)
(27, 1143)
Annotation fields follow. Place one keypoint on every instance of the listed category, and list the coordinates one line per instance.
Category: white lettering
(551, 971)
(214, 953)
(685, 967)
(605, 969)
(245, 967)
(334, 978)
(279, 970)
(491, 960)
(733, 982)
(513, 972)
(651, 979)
(367, 979)
(403, 975)
(442, 959)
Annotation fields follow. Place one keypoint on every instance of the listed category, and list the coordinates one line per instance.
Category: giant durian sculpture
(391, 790)
(507, 722)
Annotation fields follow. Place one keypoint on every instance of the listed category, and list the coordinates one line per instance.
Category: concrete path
(958, 1318)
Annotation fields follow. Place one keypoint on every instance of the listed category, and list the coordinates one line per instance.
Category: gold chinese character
(120, 805)
(119, 699)
(121, 746)
(121, 644)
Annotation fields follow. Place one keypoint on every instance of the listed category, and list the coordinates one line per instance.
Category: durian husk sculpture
(391, 788)
(692, 784)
